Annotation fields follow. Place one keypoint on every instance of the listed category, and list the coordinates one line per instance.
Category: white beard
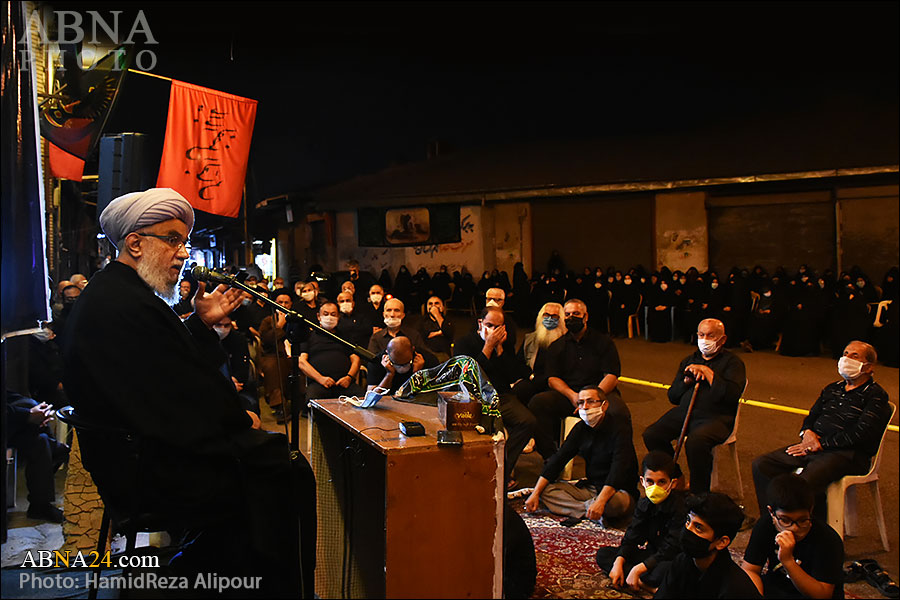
(545, 336)
(153, 270)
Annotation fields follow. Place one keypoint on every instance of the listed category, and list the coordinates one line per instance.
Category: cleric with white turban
(140, 209)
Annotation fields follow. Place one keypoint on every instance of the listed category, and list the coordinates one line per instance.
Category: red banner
(207, 144)
(64, 165)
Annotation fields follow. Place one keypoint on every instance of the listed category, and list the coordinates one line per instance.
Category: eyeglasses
(786, 522)
(172, 240)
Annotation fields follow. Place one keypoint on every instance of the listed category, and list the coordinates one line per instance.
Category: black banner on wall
(408, 226)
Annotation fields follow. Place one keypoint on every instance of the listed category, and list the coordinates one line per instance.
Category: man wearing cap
(131, 363)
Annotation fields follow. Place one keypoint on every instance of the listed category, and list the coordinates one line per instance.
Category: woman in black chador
(626, 297)
(659, 302)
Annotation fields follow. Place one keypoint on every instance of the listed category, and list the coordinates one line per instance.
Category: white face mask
(346, 307)
(849, 368)
(307, 296)
(43, 335)
(492, 302)
(376, 298)
(392, 322)
(591, 416)
(328, 322)
(707, 347)
(222, 332)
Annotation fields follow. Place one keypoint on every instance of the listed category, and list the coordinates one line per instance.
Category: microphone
(203, 274)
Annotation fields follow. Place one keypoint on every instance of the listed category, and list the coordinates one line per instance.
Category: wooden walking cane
(687, 419)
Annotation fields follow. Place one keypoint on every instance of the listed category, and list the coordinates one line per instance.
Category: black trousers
(819, 470)
(704, 433)
(520, 426)
(551, 407)
(42, 455)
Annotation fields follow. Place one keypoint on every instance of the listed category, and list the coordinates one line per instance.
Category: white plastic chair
(841, 497)
(729, 445)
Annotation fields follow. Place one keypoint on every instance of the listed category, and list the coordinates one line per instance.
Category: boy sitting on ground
(652, 539)
(704, 568)
(804, 556)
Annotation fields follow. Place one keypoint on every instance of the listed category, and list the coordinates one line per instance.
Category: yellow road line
(769, 405)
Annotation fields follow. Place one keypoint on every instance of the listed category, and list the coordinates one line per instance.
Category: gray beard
(156, 279)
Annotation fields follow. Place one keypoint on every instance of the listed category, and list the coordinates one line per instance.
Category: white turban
(139, 209)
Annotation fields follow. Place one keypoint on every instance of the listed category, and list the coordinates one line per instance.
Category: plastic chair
(729, 445)
(567, 425)
(634, 325)
(841, 497)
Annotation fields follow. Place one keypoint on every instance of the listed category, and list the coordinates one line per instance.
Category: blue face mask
(550, 322)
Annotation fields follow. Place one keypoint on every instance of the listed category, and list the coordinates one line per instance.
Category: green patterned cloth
(460, 373)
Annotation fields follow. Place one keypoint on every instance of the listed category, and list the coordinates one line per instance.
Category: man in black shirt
(238, 365)
(842, 432)
(704, 569)
(394, 313)
(603, 439)
(803, 556)
(502, 368)
(582, 357)
(721, 376)
(651, 541)
(352, 326)
(329, 364)
(392, 368)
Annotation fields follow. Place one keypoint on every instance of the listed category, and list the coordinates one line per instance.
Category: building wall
(469, 252)
(682, 239)
(868, 224)
(594, 231)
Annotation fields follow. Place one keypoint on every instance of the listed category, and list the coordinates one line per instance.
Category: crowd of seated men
(567, 365)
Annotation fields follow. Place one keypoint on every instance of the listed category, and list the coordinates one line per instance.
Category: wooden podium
(403, 517)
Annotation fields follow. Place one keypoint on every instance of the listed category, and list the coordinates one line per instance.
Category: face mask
(376, 298)
(598, 285)
(707, 347)
(767, 294)
(714, 285)
(482, 334)
(346, 307)
(328, 322)
(43, 335)
(307, 296)
(656, 493)
(246, 301)
(627, 282)
(663, 287)
(222, 332)
(822, 285)
(492, 302)
(591, 416)
(550, 322)
(392, 322)
(849, 368)
(693, 545)
(574, 324)
(402, 368)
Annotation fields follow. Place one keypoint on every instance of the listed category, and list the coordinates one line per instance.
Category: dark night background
(349, 89)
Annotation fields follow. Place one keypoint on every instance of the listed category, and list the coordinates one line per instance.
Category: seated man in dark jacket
(721, 377)
(131, 363)
(502, 368)
(652, 538)
(705, 569)
(603, 439)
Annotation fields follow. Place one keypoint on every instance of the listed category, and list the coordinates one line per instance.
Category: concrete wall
(868, 229)
(511, 241)
(682, 240)
(469, 252)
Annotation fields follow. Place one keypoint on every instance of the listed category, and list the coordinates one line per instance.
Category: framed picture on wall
(405, 226)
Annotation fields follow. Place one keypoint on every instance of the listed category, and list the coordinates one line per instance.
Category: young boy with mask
(603, 439)
(652, 539)
(803, 556)
(704, 569)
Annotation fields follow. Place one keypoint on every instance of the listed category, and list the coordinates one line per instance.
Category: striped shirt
(854, 419)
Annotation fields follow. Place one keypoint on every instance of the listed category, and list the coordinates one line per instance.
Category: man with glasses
(603, 439)
(132, 364)
(721, 377)
(395, 365)
(581, 357)
(804, 556)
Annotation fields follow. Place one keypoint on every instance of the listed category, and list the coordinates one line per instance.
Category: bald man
(131, 363)
(840, 435)
(721, 376)
(396, 365)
